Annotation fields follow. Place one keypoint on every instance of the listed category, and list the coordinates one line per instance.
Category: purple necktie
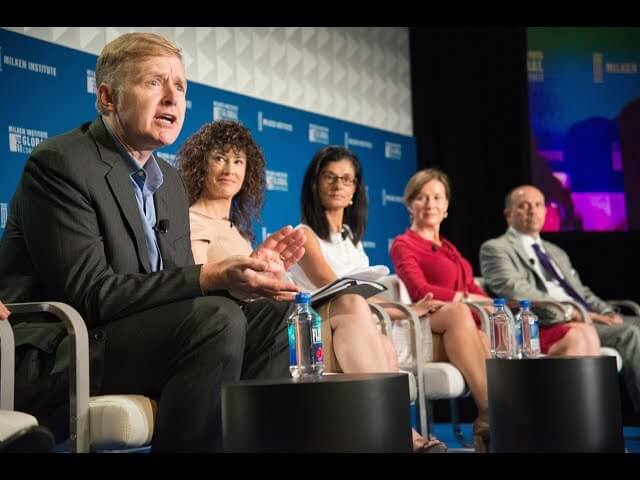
(545, 261)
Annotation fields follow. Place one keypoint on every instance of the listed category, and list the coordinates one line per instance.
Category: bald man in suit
(519, 264)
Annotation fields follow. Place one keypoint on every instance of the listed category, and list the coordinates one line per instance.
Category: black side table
(337, 413)
(559, 404)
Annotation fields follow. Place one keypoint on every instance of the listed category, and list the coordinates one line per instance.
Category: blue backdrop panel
(49, 89)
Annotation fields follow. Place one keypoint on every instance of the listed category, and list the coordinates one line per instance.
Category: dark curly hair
(223, 136)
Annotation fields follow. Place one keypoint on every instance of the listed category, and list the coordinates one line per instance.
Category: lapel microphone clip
(162, 226)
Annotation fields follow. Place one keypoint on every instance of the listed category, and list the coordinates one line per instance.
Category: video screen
(584, 106)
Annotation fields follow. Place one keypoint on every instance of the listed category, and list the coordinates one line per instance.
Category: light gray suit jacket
(508, 272)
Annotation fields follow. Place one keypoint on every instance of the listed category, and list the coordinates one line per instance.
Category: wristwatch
(568, 312)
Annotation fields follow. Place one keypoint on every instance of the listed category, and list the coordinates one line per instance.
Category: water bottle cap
(525, 303)
(498, 302)
(303, 298)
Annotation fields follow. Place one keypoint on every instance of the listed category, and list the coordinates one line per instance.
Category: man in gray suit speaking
(520, 265)
(99, 222)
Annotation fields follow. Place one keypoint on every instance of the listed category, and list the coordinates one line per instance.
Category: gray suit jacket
(508, 273)
(74, 234)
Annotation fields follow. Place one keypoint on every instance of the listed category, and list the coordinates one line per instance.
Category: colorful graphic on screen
(584, 103)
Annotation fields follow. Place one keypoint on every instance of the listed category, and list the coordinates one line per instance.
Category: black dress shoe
(36, 439)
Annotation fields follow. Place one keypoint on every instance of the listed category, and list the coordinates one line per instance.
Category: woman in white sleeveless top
(224, 174)
(333, 204)
(334, 208)
(339, 252)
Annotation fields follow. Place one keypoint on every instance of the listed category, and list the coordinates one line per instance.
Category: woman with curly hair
(224, 172)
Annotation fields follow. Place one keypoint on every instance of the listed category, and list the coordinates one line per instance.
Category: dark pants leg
(179, 354)
(266, 351)
(625, 339)
(182, 353)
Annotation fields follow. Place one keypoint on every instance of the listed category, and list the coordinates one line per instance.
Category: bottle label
(316, 334)
(317, 352)
(534, 331)
(291, 333)
(502, 335)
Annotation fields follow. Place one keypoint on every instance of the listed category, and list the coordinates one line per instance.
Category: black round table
(555, 404)
(336, 413)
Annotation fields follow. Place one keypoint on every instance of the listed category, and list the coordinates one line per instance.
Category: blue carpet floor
(444, 432)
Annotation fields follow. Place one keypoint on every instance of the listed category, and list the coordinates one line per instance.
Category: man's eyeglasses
(329, 179)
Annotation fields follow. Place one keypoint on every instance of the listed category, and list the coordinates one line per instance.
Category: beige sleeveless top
(224, 240)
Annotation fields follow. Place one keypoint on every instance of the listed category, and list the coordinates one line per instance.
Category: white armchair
(101, 423)
(19, 432)
(413, 341)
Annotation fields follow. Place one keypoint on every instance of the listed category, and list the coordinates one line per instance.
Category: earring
(446, 214)
(351, 202)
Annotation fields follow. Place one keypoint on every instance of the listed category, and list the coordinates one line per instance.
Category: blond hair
(125, 49)
(420, 179)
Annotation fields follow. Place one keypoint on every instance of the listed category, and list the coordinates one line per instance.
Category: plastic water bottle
(304, 329)
(528, 322)
(502, 331)
(517, 332)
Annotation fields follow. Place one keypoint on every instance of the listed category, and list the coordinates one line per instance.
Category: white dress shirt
(341, 255)
(553, 286)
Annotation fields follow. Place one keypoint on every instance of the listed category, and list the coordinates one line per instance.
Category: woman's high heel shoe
(481, 434)
(430, 446)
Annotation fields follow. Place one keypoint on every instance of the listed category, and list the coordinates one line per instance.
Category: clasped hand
(606, 319)
(426, 305)
(261, 274)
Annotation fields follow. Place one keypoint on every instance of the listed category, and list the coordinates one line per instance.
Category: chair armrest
(584, 315)
(7, 365)
(630, 304)
(553, 305)
(478, 307)
(78, 368)
(383, 318)
(417, 336)
(559, 305)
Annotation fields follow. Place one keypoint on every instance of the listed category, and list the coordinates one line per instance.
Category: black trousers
(180, 354)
